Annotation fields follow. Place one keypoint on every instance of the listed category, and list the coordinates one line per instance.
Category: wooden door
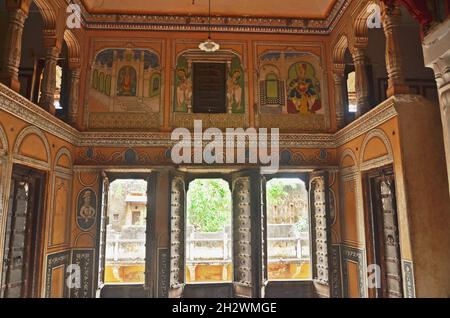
(22, 249)
(320, 231)
(178, 189)
(384, 232)
(249, 247)
(102, 224)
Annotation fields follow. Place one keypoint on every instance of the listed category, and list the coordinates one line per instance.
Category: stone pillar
(49, 80)
(436, 49)
(338, 78)
(362, 81)
(74, 96)
(9, 74)
(391, 23)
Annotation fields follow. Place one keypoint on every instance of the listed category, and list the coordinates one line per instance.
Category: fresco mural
(235, 92)
(124, 84)
(291, 92)
(127, 82)
(235, 86)
(183, 86)
(303, 90)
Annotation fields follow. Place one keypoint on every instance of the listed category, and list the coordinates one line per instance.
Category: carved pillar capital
(49, 79)
(10, 62)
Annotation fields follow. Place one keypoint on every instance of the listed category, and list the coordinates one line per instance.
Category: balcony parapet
(31, 113)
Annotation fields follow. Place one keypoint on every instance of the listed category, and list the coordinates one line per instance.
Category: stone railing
(125, 251)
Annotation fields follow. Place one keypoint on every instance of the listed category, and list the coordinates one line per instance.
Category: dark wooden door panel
(17, 236)
(384, 232)
(209, 88)
(22, 239)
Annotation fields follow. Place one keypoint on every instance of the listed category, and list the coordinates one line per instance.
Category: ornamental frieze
(218, 23)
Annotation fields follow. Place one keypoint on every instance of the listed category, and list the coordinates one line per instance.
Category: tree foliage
(209, 204)
(276, 192)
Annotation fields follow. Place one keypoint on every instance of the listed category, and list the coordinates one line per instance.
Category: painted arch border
(4, 140)
(378, 161)
(350, 169)
(18, 158)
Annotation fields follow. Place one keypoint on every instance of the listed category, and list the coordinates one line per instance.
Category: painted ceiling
(266, 16)
(315, 9)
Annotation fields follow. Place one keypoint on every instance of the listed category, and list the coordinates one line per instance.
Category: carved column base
(12, 83)
(395, 89)
(46, 103)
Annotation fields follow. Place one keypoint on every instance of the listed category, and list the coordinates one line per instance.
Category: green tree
(276, 192)
(209, 204)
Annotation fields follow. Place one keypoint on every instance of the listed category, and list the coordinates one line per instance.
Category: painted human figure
(234, 91)
(303, 97)
(87, 212)
(184, 90)
(127, 81)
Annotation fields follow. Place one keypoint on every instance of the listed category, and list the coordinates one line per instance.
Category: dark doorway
(384, 247)
(22, 252)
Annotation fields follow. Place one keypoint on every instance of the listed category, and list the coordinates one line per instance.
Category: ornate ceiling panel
(318, 9)
(260, 16)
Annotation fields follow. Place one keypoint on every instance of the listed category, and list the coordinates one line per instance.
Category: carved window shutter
(320, 226)
(102, 233)
(177, 237)
(264, 262)
(247, 235)
(151, 245)
(384, 225)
